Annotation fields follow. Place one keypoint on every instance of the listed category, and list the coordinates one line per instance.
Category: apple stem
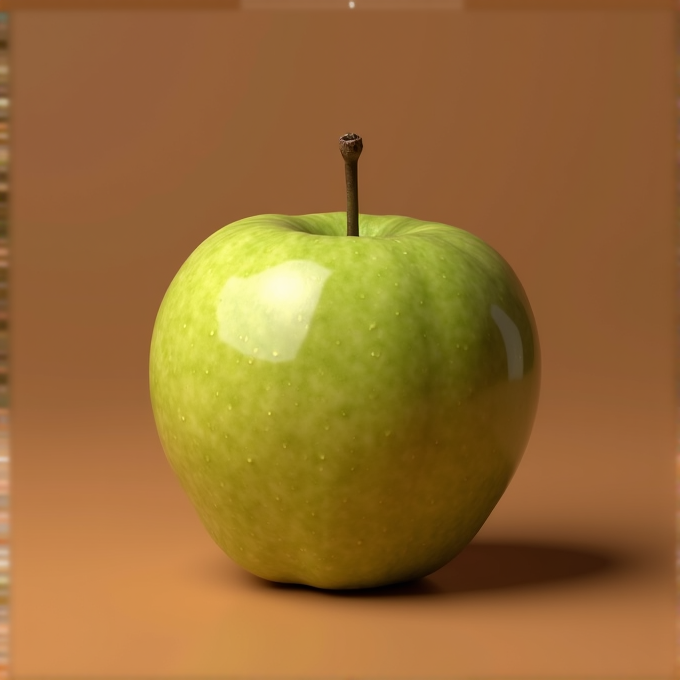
(350, 148)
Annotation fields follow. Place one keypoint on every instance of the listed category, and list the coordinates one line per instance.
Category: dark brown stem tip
(351, 147)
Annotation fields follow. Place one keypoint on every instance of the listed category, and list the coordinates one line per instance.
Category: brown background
(137, 134)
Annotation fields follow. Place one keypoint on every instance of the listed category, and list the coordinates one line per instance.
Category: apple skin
(344, 412)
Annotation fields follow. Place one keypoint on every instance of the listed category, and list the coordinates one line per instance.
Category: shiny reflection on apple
(283, 301)
(512, 340)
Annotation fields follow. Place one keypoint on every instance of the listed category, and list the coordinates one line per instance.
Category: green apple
(344, 412)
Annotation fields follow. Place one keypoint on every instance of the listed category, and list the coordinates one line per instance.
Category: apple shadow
(484, 566)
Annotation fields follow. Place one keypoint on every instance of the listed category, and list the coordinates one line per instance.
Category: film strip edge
(677, 338)
(4, 342)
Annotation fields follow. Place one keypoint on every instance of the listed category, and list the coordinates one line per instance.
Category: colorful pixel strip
(4, 396)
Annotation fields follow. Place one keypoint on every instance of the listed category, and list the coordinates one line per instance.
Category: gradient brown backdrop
(137, 134)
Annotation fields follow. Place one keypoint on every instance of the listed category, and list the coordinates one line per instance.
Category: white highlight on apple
(283, 301)
(513, 342)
